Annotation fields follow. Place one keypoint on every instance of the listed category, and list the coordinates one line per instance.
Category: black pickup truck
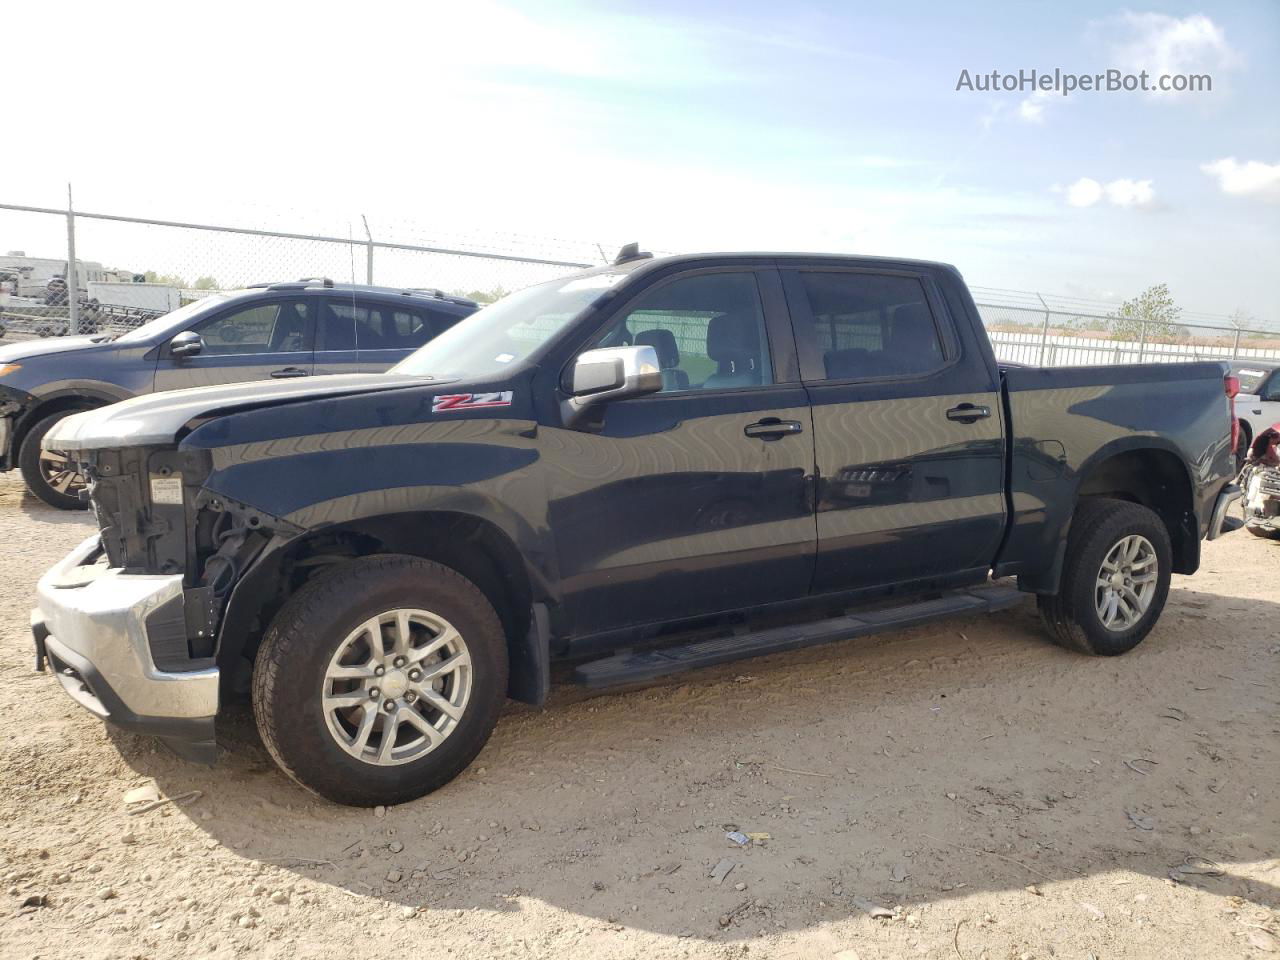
(651, 466)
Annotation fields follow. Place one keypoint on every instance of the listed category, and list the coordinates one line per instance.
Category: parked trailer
(106, 296)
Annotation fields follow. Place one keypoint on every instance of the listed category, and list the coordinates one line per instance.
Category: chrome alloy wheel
(1126, 583)
(397, 687)
(60, 472)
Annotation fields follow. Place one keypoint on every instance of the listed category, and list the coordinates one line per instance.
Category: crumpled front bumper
(90, 626)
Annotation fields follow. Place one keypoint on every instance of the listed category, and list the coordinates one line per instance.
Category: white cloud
(1161, 44)
(1250, 179)
(1130, 193)
(1031, 110)
(1086, 192)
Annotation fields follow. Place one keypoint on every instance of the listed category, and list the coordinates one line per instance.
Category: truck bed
(1065, 421)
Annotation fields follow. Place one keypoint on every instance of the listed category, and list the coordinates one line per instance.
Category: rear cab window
(865, 326)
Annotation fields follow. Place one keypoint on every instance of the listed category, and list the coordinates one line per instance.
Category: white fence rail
(1076, 351)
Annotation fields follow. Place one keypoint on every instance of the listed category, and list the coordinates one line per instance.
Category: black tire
(290, 670)
(1263, 532)
(33, 473)
(1072, 617)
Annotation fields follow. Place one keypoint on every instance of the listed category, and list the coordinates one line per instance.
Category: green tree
(205, 283)
(484, 296)
(1152, 312)
(172, 279)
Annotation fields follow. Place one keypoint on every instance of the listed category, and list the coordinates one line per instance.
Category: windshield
(172, 322)
(509, 331)
(1250, 377)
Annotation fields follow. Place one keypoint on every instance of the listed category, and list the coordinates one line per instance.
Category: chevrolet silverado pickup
(652, 466)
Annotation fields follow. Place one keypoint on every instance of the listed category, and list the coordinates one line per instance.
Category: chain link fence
(1054, 335)
(128, 270)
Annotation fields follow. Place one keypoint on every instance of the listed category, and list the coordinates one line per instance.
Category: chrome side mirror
(186, 344)
(611, 373)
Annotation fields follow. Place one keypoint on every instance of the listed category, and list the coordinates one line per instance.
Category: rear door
(390, 332)
(336, 335)
(369, 336)
(269, 338)
(907, 430)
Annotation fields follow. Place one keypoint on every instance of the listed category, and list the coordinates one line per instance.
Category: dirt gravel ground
(963, 790)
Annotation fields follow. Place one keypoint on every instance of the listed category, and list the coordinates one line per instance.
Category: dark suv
(278, 331)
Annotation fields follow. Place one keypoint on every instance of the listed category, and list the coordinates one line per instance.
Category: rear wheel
(1115, 579)
(51, 476)
(1265, 533)
(381, 680)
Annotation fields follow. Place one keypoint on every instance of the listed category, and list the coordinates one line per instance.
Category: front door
(694, 500)
(270, 339)
(907, 431)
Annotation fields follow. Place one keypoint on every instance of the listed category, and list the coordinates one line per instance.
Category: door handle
(287, 372)
(968, 413)
(771, 428)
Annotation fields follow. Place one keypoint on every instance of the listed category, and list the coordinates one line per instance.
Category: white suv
(1258, 402)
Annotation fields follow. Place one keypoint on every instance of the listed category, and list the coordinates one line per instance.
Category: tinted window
(708, 332)
(279, 327)
(871, 326)
(347, 326)
(1251, 377)
(337, 327)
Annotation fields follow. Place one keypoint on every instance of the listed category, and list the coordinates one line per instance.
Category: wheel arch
(474, 546)
(1246, 432)
(1149, 471)
(70, 400)
(1157, 478)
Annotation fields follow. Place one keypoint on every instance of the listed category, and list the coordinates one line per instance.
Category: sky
(685, 126)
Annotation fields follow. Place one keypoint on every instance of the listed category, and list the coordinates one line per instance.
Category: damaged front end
(129, 621)
(1261, 485)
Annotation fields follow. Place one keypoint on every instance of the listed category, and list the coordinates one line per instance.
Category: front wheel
(50, 475)
(380, 680)
(1115, 579)
(1266, 533)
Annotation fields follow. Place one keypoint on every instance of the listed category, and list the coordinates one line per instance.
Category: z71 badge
(470, 401)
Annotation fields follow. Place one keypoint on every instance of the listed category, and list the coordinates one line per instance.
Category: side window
(1270, 390)
(350, 327)
(708, 332)
(407, 330)
(870, 326)
(279, 327)
(338, 325)
(438, 322)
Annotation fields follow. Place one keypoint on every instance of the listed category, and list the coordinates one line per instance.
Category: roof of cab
(645, 263)
(364, 289)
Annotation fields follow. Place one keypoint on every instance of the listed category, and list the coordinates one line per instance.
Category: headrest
(730, 336)
(664, 345)
(913, 332)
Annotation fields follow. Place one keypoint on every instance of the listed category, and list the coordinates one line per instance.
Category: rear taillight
(1232, 387)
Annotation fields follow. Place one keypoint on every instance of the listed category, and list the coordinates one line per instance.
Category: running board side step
(627, 668)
